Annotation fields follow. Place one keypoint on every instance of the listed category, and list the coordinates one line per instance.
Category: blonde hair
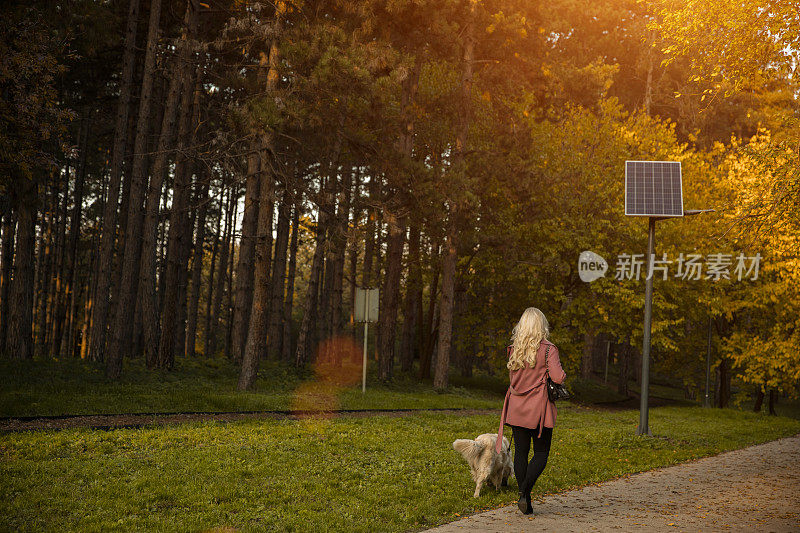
(528, 334)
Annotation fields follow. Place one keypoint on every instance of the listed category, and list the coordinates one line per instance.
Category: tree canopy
(217, 177)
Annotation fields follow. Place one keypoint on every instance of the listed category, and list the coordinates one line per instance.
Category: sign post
(366, 311)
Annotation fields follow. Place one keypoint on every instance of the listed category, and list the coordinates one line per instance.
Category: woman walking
(527, 409)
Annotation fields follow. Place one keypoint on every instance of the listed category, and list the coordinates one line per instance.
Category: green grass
(345, 474)
(42, 388)
(589, 391)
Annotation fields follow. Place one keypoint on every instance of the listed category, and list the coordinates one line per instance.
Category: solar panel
(653, 189)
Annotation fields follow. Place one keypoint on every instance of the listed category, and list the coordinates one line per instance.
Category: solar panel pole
(707, 398)
(644, 428)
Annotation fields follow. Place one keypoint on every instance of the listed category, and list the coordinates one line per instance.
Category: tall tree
(179, 214)
(122, 331)
(286, 341)
(20, 324)
(256, 341)
(7, 251)
(197, 266)
(148, 298)
(243, 299)
(259, 313)
(278, 278)
(413, 301)
(450, 255)
(109, 225)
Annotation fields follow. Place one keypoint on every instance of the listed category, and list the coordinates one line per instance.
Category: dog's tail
(468, 449)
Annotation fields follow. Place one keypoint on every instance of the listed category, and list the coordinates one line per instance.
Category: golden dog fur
(484, 463)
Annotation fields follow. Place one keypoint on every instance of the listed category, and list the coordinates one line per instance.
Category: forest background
(182, 178)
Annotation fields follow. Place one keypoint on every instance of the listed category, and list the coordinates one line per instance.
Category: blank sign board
(653, 189)
(366, 305)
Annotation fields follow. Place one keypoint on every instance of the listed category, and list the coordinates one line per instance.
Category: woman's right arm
(557, 373)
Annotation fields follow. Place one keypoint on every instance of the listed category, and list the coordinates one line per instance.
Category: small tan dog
(484, 463)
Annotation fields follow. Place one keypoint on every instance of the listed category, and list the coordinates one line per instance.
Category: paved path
(753, 489)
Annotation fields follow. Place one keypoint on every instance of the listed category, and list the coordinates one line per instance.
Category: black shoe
(524, 504)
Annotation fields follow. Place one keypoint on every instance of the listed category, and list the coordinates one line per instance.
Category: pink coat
(526, 402)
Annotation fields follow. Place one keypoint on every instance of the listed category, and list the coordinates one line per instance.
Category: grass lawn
(41, 388)
(343, 474)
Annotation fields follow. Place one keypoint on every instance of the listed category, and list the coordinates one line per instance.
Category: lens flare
(337, 365)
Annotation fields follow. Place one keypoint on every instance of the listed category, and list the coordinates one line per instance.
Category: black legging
(528, 473)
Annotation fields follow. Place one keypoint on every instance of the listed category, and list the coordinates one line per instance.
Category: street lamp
(653, 189)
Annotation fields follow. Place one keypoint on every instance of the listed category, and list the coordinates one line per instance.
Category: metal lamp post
(652, 189)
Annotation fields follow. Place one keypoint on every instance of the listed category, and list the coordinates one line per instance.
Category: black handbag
(555, 391)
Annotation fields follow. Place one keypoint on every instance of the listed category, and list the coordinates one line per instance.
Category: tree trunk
(148, 296)
(449, 259)
(197, 269)
(58, 263)
(586, 356)
(354, 246)
(50, 281)
(20, 326)
(179, 214)
(390, 295)
(376, 262)
(243, 300)
(222, 269)
(624, 368)
(183, 287)
(323, 328)
(278, 278)
(92, 278)
(188, 233)
(334, 203)
(56, 311)
(63, 346)
(229, 289)
(44, 275)
(130, 259)
(759, 400)
(83, 348)
(286, 341)
(39, 254)
(369, 235)
(310, 304)
(724, 384)
(337, 299)
(397, 234)
(86, 323)
(7, 251)
(773, 398)
(427, 352)
(648, 88)
(106, 252)
(208, 332)
(259, 314)
(412, 301)
(270, 215)
(245, 273)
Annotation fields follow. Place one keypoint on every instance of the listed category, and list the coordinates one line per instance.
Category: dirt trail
(136, 420)
(752, 489)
